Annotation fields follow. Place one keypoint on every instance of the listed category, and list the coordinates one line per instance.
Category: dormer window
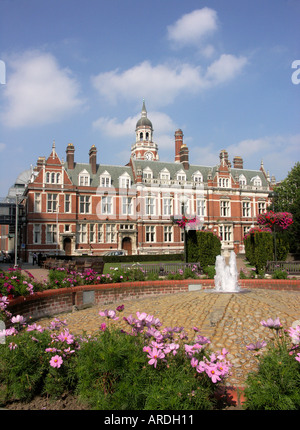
(84, 178)
(181, 176)
(242, 181)
(165, 174)
(197, 177)
(147, 173)
(105, 179)
(256, 181)
(124, 181)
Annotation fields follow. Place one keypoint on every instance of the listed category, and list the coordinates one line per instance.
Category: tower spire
(144, 110)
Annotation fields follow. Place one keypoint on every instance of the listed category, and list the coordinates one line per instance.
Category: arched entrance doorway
(127, 245)
(67, 246)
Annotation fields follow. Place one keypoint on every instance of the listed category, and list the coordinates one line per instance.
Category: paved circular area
(229, 320)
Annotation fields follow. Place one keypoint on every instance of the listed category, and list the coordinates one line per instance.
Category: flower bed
(146, 367)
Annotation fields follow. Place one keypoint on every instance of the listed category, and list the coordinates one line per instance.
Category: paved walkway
(230, 320)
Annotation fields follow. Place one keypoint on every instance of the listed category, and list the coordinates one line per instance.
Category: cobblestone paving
(230, 320)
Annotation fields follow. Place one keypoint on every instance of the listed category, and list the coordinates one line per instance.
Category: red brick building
(90, 208)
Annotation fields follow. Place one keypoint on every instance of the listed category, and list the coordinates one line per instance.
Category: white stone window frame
(84, 178)
(105, 179)
(125, 181)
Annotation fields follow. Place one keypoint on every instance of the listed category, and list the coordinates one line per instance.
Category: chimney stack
(93, 159)
(70, 156)
(238, 162)
(178, 144)
(184, 156)
(224, 157)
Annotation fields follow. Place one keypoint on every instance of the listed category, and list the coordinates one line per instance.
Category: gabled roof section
(53, 158)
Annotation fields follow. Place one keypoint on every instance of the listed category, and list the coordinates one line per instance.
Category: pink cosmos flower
(171, 347)
(35, 327)
(256, 346)
(298, 357)
(11, 331)
(194, 362)
(109, 314)
(295, 334)
(66, 337)
(272, 324)
(141, 316)
(12, 346)
(103, 327)
(18, 319)
(154, 355)
(214, 373)
(3, 302)
(56, 361)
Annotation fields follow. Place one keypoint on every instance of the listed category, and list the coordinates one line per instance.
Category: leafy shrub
(276, 384)
(210, 272)
(259, 249)
(280, 274)
(112, 370)
(203, 247)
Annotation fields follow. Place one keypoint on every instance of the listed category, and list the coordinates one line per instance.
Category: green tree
(287, 199)
(203, 247)
(259, 248)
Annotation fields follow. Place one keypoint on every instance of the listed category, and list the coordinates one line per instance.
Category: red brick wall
(51, 302)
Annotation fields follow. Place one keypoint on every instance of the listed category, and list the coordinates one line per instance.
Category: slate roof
(156, 167)
(114, 171)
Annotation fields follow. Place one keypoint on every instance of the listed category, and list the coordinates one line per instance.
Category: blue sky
(221, 70)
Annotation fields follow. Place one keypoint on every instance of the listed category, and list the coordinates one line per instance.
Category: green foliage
(282, 246)
(276, 385)
(210, 272)
(288, 199)
(280, 274)
(23, 365)
(113, 374)
(14, 283)
(203, 247)
(141, 258)
(259, 249)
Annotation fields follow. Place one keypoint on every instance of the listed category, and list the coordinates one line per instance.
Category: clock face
(149, 156)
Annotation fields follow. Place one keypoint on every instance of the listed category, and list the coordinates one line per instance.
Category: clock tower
(144, 148)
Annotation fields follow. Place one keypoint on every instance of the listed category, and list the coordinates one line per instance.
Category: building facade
(78, 208)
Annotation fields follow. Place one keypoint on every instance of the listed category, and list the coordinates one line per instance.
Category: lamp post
(17, 226)
(57, 235)
(272, 194)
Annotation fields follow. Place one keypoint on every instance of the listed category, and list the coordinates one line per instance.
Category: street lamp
(272, 195)
(16, 227)
(58, 206)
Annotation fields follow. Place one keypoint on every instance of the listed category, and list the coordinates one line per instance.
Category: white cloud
(191, 28)
(225, 68)
(163, 83)
(112, 128)
(162, 124)
(38, 91)
(278, 153)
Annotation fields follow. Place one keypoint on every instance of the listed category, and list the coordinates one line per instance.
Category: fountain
(226, 278)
